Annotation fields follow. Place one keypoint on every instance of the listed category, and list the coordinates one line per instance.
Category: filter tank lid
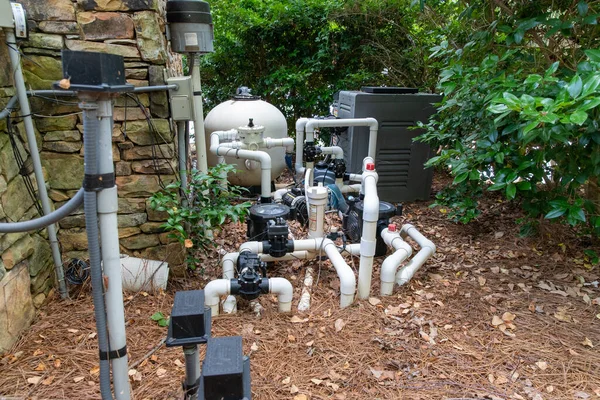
(189, 11)
(268, 211)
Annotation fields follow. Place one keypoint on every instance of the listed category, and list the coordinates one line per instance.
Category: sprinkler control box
(6, 15)
(224, 375)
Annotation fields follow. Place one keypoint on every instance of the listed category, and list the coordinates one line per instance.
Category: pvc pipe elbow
(213, 290)
(301, 123)
(253, 247)
(284, 291)
(422, 241)
(372, 122)
(345, 273)
(278, 194)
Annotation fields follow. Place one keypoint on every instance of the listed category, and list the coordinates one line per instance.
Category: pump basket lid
(268, 211)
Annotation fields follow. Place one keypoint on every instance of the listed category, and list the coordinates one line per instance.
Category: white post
(199, 134)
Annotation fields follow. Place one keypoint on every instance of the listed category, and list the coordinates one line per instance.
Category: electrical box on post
(6, 15)
(182, 98)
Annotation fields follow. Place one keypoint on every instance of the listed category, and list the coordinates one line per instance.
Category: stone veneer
(133, 29)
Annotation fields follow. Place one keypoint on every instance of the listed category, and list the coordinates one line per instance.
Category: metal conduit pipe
(69, 93)
(390, 265)
(17, 73)
(406, 273)
(48, 219)
(90, 136)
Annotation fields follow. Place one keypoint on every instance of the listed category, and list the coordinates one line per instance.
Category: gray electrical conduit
(48, 219)
(69, 93)
(90, 134)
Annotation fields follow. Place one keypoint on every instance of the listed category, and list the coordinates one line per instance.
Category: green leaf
(157, 316)
(499, 157)
(578, 117)
(533, 78)
(593, 55)
(582, 8)
(555, 213)
(460, 177)
(498, 108)
(591, 84)
(497, 186)
(575, 86)
(163, 322)
(511, 191)
(524, 185)
(511, 100)
(518, 36)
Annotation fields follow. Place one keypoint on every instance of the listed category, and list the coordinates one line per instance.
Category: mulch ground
(490, 316)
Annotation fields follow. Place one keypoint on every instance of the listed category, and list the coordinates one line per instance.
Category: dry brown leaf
(254, 347)
(300, 397)
(501, 380)
(481, 280)
(561, 315)
(543, 365)
(188, 243)
(333, 386)
(95, 370)
(78, 379)
(374, 301)
(316, 381)
(36, 353)
(48, 381)
(297, 320)
(497, 321)
(587, 342)
(154, 358)
(34, 380)
(73, 330)
(40, 367)
(549, 388)
(179, 363)
(491, 378)
(339, 324)
(287, 380)
(291, 338)
(573, 352)
(508, 316)
(57, 363)
(309, 344)
(161, 372)
(294, 389)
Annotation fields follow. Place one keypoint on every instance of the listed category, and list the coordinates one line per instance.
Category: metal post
(182, 152)
(200, 136)
(35, 157)
(109, 239)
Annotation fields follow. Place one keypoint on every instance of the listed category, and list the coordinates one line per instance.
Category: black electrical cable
(77, 271)
(23, 166)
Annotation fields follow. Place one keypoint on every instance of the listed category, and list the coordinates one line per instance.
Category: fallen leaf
(332, 385)
(495, 270)
(286, 381)
(481, 281)
(57, 363)
(374, 301)
(294, 389)
(254, 347)
(291, 338)
(40, 367)
(73, 330)
(95, 370)
(498, 235)
(309, 344)
(78, 379)
(48, 381)
(131, 372)
(161, 372)
(562, 315)
(154, 358)
(36, 353)
(179, 363)
(573, 352)
(188, 243)
(35, 380)
(549, 388)
(582, 395)
(300, 397)
(339, 324)
(508, 316)
(491, 378)
(543, 365)
(501, 380)
(587, 342)
(497, 321)
(297, 320)
(92, 335)
(316, 381)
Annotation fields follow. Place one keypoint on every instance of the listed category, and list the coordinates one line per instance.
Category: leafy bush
(512, 121)
(206, 205)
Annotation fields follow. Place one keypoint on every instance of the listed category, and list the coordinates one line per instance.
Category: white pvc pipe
(351, 188)
(284, 291)
(427, 250)
(253, 247)
(372, 123)
(343, 270)
(287, 142)
(278, 195)
(304, 302)
(355, 177)
(261, 156)
(299, 167)
(213, 291)
(228, 265)
(352, 248)
(390, 265)
(368, 240)
(296, 255)
(111, 260)
(336, 151)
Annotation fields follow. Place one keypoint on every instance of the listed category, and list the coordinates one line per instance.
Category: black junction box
(190, 321)
(94, 72)
(223, 369)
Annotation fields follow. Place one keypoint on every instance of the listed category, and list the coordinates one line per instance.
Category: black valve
(251, 281)
(277, 236)
(311, 151)
(339, 167)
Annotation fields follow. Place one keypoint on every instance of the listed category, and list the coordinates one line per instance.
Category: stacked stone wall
(135, 30)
